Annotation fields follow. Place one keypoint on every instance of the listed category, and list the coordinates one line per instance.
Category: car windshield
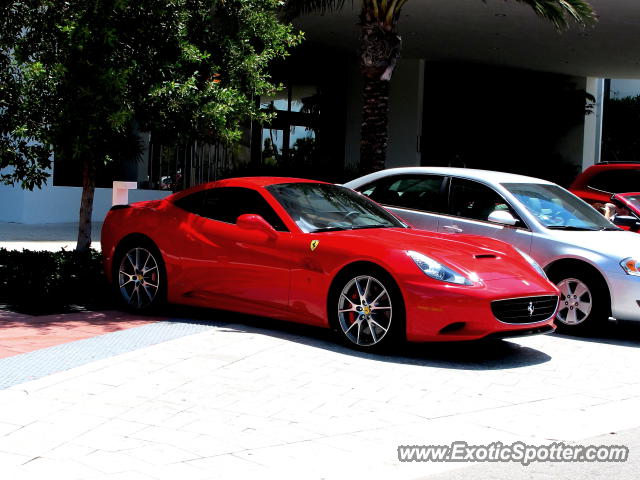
(633, 200)
(558, 209)
(320, 207)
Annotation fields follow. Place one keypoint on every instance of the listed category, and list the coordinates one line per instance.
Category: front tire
(584, 301)
(366, 309)
(139, 277)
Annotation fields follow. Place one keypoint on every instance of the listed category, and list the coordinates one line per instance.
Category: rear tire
(139, 276)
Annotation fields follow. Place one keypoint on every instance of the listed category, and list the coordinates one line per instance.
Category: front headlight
(533, 263)
(438, 271)
(631, 266)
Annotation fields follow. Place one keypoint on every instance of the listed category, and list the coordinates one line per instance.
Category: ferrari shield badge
(314, 244)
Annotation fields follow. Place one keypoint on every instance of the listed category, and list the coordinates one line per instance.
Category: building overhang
(504, 33)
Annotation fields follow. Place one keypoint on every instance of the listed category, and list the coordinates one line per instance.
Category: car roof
(260, 181)
(469, 173)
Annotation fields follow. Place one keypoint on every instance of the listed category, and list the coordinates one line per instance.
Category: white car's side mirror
(503, 217)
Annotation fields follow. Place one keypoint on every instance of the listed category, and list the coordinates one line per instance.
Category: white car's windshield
(557, 209)
(321, 207)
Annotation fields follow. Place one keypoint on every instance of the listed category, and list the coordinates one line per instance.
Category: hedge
(42, 282)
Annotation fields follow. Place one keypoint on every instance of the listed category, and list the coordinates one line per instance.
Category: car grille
(525, 310)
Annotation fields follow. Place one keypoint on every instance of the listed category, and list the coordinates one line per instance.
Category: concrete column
(593, 124)
(120, 194)
(405, 115)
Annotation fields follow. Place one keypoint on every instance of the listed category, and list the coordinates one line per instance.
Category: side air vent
(488, 255)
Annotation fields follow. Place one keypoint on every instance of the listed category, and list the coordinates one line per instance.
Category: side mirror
(252, 221)
(503, 217)
(626, 221)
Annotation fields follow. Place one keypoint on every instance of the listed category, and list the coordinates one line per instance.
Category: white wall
(11, 203)
(59, 204)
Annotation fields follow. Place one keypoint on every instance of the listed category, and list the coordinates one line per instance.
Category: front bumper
(625, 296)
(458, 313)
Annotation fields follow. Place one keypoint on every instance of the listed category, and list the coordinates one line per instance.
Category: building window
(291, 139)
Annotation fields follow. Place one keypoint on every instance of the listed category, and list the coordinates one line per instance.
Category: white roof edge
(470, 173)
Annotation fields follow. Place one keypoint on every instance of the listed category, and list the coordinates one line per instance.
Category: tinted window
(617, 181)
(469, 199)
(193, 203)
(418, 192)
(226, 204)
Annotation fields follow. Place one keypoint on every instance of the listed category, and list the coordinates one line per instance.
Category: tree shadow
(470, 355)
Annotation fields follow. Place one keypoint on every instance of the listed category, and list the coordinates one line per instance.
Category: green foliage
(620, 138)
(47, 282)
(76, 74)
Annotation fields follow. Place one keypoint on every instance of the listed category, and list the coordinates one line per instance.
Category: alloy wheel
(576, 301)
(139, 278)
(365, 311)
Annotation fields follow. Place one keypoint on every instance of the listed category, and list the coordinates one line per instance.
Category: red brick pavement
(20, 333)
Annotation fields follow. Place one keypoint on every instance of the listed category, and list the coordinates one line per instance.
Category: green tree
(78, 76)
(380, 48)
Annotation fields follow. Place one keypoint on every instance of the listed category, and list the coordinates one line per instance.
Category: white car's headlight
(438, 271)
(631, 266)
(533, 263)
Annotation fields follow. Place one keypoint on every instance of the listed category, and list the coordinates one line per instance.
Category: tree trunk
(379, 53)
(374, 130)
(86, 205)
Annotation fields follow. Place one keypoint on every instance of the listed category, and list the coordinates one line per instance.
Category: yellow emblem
(314, 244)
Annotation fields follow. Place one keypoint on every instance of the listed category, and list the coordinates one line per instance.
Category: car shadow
(477, 355)
(624, 334)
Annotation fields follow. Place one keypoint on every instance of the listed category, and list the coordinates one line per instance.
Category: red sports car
(321, 254)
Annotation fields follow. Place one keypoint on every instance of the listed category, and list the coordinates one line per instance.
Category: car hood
(618, 244)
(488, 258)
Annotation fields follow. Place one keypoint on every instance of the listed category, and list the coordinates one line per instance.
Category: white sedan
(595, 264)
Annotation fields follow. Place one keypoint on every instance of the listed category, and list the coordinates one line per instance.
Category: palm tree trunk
(86, 205)
(379, 53)
(374, 132)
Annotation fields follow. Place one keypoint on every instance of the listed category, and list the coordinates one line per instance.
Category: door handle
(452, 228)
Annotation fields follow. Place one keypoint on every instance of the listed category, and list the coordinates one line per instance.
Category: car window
(417, 192)
(617, 181)
(226, 204)
(469, 199)
(193, 203)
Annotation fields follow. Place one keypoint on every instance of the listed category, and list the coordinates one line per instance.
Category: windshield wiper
(571, 228)
(353, 227)
(330, 229)
(360, 227)
(609, 229)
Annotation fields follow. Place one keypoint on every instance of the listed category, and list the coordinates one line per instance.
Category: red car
(599, 182)
(321, 254)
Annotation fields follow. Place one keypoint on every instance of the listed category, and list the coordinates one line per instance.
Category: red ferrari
(321, 254)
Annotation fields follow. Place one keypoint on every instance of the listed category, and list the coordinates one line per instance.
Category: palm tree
(380, 47)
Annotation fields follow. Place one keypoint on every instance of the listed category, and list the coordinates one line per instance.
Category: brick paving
(21, 333)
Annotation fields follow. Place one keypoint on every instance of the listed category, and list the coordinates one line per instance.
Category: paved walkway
(216, 395)
(48, 236)
(202, 394)
(25, 333)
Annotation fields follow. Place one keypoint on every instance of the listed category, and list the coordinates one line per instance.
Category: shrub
(46, 282)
